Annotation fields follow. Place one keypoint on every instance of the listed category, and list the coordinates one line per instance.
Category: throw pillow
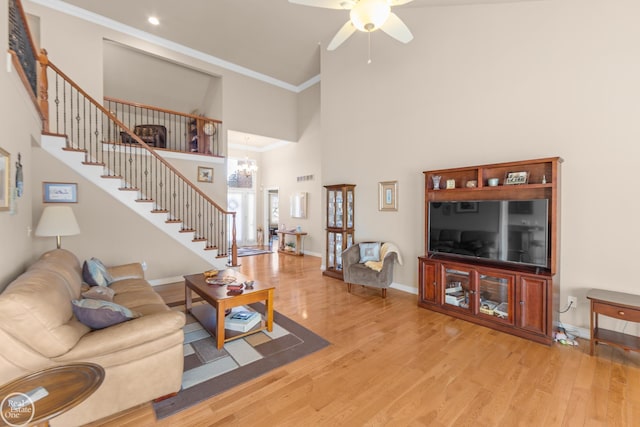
(99, 292)
(98, 314)
(369, 252)
(95, 273)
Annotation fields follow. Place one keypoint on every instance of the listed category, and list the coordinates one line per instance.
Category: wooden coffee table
(219, 299)
(67, 386)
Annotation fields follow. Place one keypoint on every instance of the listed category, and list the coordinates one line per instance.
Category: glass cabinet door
(339, 251)
(331, 209)
(349, 209)
(458, 289)
(495, 292)
(349, 241)
(339, 209)
(331, 251)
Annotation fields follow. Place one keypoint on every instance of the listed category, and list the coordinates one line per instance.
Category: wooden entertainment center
(520, 298)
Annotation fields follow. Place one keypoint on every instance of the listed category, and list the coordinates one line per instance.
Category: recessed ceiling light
(153, 20)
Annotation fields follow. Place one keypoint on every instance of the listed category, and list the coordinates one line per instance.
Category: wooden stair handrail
(25, 81)
(161, 110)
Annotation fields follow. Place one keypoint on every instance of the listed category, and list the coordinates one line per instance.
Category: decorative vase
(436, 182)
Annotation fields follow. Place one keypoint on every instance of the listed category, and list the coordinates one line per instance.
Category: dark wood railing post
(43, 89)
(234, 246)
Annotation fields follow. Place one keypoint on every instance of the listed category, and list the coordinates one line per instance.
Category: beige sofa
(142, 358)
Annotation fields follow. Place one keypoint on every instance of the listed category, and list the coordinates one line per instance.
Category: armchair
(355, 272)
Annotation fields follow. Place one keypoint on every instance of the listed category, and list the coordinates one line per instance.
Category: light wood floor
(392, 363)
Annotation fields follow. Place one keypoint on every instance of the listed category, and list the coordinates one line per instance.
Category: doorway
(271, 214)
(241, 198)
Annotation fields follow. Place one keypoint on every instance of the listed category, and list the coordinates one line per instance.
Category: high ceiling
(272, 37)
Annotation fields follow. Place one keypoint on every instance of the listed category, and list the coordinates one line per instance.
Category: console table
(619, 306)
(281, 244)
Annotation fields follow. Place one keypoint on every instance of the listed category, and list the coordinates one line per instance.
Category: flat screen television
(504, 231)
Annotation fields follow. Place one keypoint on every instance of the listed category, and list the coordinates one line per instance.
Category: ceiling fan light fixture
(369, 15)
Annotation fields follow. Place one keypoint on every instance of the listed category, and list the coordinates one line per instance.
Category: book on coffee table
(242, 321)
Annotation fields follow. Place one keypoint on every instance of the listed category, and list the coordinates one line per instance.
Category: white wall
(281, 167)
(20, 126)
(492, 83)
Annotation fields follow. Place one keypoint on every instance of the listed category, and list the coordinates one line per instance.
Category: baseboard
(404, 288)
(576, 331)
(166, 281)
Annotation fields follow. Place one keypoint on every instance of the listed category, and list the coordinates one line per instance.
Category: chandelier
(247, 166)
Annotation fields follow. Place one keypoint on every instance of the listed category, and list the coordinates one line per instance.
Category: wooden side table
(281, 245)
(619, 306)
(67, 386)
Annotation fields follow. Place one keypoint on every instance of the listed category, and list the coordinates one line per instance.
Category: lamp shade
(57, 221)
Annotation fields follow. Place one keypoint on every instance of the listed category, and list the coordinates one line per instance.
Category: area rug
(209, 371)
(252, 251)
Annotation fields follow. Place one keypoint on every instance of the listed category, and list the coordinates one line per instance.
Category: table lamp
(57, 221)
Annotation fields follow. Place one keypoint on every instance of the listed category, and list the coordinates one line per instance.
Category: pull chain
(369, 46)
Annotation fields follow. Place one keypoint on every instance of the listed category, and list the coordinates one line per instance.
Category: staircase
(75, 159)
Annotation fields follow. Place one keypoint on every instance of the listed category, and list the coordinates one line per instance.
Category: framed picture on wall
(59, 192)
(4, 180)
(388, 196)
(205, 174)
(299, 205)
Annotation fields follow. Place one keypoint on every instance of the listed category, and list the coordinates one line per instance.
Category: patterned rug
(209, 371)
(252, 251)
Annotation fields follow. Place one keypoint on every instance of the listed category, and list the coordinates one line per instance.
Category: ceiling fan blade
(343, 34)
(397, 29)
(399, 2)
(328, 4)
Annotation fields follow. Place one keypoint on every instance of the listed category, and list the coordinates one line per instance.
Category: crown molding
(69, 9)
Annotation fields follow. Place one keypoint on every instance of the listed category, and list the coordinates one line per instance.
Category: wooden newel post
(43, 89)
(234, 247)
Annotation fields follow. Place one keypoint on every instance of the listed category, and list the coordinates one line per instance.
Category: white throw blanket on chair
(385, 249)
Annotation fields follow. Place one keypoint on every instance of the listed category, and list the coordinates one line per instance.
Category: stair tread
(93, 163)
(144, 200)
(160, 211)
(128, 189)
(111, 176)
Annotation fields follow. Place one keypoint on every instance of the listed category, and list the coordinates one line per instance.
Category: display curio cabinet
(340, 226)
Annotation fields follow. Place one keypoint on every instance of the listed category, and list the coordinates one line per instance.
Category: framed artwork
(299, 205)
(4, 180)
(388, 196)
(516, 178)
(205, 174)
(59, 192)
(466, 207)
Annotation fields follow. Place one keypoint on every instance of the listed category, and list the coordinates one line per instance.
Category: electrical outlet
(572, 301)
(144, 265)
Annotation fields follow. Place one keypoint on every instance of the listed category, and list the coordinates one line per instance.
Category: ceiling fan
(366, 16)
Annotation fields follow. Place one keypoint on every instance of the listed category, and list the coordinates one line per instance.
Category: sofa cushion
(369, 252)
(35, 310)
(95, 273)
(64, 264)
(99, 292)
(98, 314)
